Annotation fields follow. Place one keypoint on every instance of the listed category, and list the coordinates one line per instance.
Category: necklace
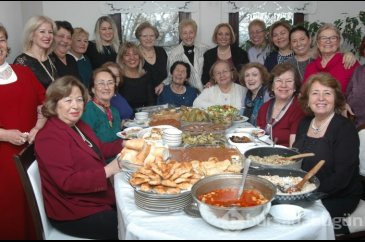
(317, 130)
(302, 64)
(151, 56)
(83, 137)
(45, 68)
(6, 73)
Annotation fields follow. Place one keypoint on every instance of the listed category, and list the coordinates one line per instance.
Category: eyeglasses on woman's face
(325, 39)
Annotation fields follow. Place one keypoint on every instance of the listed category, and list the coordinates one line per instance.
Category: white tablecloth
(135, 223)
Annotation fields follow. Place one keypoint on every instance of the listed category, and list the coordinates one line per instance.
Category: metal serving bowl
(233, 218)
(267, 151)
(290, 198)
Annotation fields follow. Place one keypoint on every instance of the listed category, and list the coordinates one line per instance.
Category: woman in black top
(224, 37)
(137, 86)
(332, 138)
(65, 63)
(105, 46)
(155, 57)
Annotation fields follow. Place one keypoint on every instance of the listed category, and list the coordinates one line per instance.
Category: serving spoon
(298, 187)
(294, 157)
(245, 172)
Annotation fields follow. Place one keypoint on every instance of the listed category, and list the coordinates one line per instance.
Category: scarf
(107, 111)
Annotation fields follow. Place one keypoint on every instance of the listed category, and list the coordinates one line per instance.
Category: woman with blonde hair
(137, 85)
(260, 49)
(224, 37)
(105, 46)
(38, 43)
(188, 51)
(330, 59)
(80, 42)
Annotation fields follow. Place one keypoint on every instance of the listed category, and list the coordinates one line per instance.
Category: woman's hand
(113, 167)
(13, 136)
(159, 89)
(348, 60)
(33, 132)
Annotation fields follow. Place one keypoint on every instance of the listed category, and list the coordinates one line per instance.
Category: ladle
(244, 175)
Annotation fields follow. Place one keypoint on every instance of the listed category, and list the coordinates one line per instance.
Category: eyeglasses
(225, 72)
(324, 39)
(281, 81)
(105, 84)
(256, 32)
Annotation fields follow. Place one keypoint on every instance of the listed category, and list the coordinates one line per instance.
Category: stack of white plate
(158, 203)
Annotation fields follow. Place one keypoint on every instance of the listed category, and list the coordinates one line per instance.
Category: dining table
(136, 223)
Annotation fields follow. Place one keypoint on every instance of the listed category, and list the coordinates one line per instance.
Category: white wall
(84, 14)
(13, 24)
(330, 11)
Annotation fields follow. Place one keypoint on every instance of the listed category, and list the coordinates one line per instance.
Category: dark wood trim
(234, 22)
(298, 18)
(117, 17)
(184, 15)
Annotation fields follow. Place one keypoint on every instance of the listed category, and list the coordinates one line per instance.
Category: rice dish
(288, 181)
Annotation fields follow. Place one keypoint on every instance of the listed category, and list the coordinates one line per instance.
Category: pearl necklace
(317, 130)
(83, 137)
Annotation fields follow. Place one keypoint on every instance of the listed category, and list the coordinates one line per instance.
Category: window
(269, 18)
(166, 23)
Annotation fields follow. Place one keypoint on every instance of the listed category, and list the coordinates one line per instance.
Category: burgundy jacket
(74, 183)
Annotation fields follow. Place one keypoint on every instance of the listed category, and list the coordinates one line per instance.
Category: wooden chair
(356, 221)
(27, 168)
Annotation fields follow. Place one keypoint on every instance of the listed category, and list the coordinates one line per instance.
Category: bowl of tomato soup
(216, 197)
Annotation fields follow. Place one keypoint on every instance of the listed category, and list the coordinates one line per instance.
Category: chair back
(25, 161)
(361, 131)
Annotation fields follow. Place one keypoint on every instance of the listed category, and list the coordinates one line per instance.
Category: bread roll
(135, 144)
(129, 155)
(141, 156)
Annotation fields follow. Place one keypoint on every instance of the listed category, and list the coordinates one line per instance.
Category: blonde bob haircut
(188, 22)
(326, 80)
(61, 88)
(221, 25)
(31, 26)
(143, 26)
(232, 69)
(123, 51)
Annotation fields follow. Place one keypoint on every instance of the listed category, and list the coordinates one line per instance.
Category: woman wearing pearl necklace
(333, 138)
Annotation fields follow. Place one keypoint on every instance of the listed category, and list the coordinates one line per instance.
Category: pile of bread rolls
(139, 152)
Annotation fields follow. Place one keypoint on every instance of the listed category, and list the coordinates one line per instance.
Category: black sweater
(339, 147)
(239, 57)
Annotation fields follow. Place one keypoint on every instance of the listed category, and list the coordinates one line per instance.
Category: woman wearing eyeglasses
(260, 49)
(254, 77)
(281, 115)
(330, 58)
(103, 118)
(224, 90)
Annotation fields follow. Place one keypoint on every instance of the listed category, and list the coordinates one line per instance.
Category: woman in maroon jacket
(79, 199)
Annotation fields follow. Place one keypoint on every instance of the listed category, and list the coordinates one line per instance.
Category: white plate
(247, 135)
(132, 123)
(129, 133)
(250, 131)
(145, 133)
(240, 119)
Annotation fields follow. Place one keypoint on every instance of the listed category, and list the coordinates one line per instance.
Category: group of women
(99, 83)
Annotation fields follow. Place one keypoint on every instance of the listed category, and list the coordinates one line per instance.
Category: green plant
(350, 29)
